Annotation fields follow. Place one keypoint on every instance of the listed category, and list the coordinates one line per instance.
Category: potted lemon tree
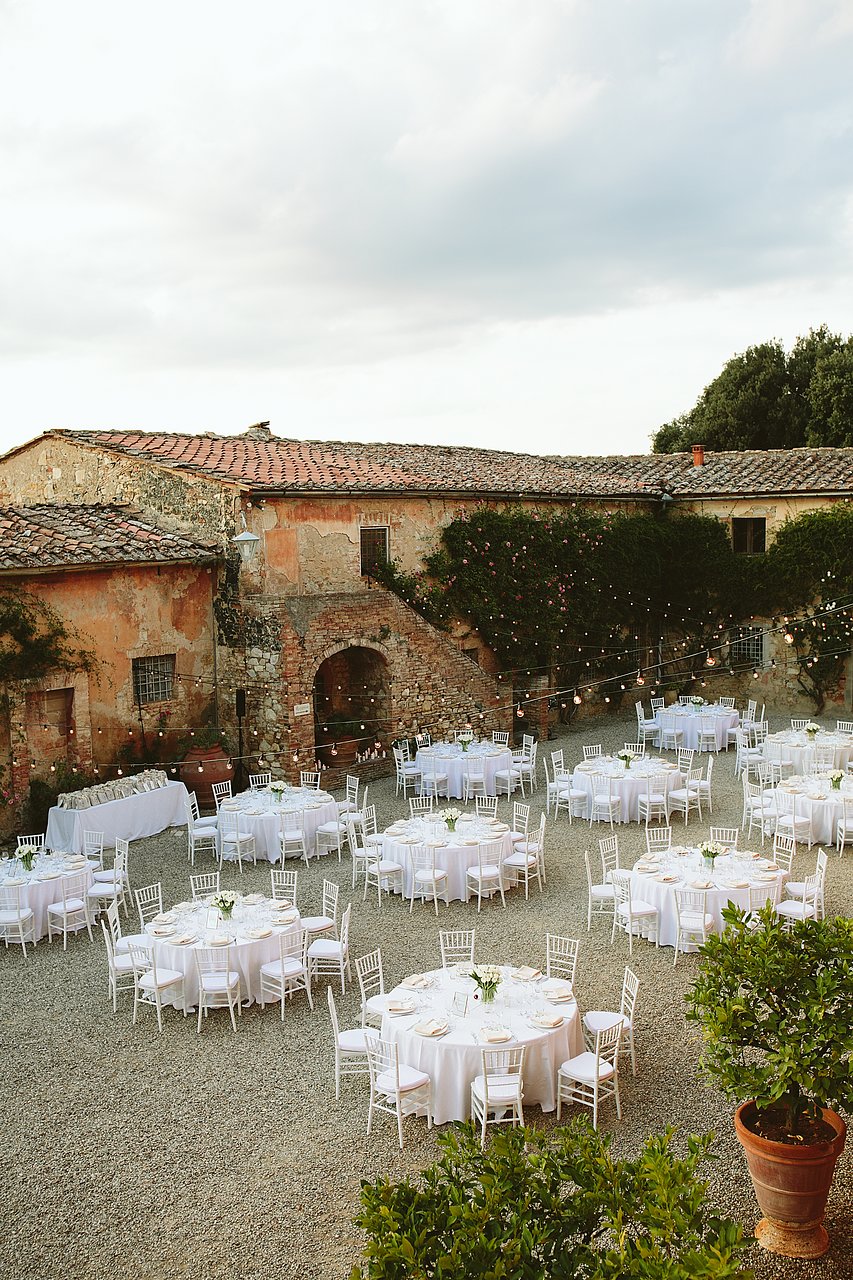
(775, 1006)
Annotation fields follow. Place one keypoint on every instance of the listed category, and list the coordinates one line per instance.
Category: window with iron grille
(746, 647)
(749, 535)
(374, 549)
(153, 678)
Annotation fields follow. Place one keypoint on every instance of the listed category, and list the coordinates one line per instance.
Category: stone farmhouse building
(135, 538)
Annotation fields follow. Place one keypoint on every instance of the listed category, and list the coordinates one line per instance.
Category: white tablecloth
(449, 758)
(42, 886)
(452, 1061)
(131, 818)
(687, 719)
(455, 852)
(816, 800)
(730, 882)
(263, 814)
(247, 954)
(795, 747)
(628, 785)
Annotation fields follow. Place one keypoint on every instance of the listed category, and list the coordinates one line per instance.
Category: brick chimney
(698, 455)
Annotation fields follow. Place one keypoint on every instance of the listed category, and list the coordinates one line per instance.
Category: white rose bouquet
(450, 816)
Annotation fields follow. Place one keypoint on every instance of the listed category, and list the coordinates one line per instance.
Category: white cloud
(368, 204)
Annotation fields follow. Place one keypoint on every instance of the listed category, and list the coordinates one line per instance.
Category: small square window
(749, 535)
(374, 549)
(153, 678)
(746, 647)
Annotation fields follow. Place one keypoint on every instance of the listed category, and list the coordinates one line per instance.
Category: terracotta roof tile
(58, 536)
(261, 462)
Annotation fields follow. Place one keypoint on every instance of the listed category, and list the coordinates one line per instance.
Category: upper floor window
(749, 535)
(153, 678)
(374, 549)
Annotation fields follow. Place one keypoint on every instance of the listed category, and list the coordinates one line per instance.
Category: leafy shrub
(534, 1208)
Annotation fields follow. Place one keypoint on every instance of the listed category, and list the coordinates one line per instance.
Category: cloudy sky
(540, 226)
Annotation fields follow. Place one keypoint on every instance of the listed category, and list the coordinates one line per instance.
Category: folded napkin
(643, 867)
(700, 884)
(50, 875)
(563, 992)
(738, 884)
(252, 899)
(431, 1028)
(282, 904)
(527, 974)
(162, 930)
(15, 880)
(185, 939)
(495, 1035)
(547, 1019)
(415, 982)
(218, 940)
(400, 1006)
(260, 933)
(771, 866)
(667, 879)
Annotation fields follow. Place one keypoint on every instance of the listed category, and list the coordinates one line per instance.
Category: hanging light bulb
(577, 699)
(789, 639)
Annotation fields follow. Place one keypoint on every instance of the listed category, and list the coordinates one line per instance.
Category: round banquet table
(199, 922)
(793, 746)
(452, 1061)
(629, 784)
(263, 815)
(816, 800)
(43, 885)
(687, 719)
(449, 758)
(728, 882)
(455, 851)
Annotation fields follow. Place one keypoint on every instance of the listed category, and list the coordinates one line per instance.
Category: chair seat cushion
(287, 968)
(292, 837)
(211, 820)
(424, 876)
(409, 1077)
(325, 949)
(795, 888)
(521, 860)
(12, 917)
(695, 920)
(583, 1068)
(317, 924)
(104, 891)
(596, 1020)
(165, 978)
(352, 1041)
(375, 1004)
(386, 867)
(638, 908)
(332, 829)
(794, 910)
(602, 892)
(105, 877)
(70, 905)
(225, 980)
(484, 873)
(123, 963)
(502, 1089)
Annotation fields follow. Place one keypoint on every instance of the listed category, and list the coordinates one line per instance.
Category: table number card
(460, 1004)
(212, 920)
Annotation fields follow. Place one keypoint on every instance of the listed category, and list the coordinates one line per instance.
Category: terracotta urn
(217, 768)
(792, 1185)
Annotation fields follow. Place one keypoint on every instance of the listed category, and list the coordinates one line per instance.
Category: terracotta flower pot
(217, 768)
(792, 1185)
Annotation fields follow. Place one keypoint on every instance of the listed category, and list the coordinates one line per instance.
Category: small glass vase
(709, 864)
(835, 783)
(487, 994)
(226, 914)
(451, 824)
(26, 860)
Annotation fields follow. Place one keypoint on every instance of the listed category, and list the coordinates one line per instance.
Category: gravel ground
(226, 1155)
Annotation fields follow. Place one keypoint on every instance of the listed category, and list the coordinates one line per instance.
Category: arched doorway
(352, 705)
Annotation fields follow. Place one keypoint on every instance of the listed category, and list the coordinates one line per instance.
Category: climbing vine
(584, 596)
(34, 640)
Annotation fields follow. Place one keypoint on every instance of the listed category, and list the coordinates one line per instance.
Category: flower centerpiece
(278, 787)
(25, 856)
(835, 779)
(488, 979)
(710, 850)
(450, 816)
(626, 756)
(225, 901)
(811, 729)
(465, 739)
(698, 702)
